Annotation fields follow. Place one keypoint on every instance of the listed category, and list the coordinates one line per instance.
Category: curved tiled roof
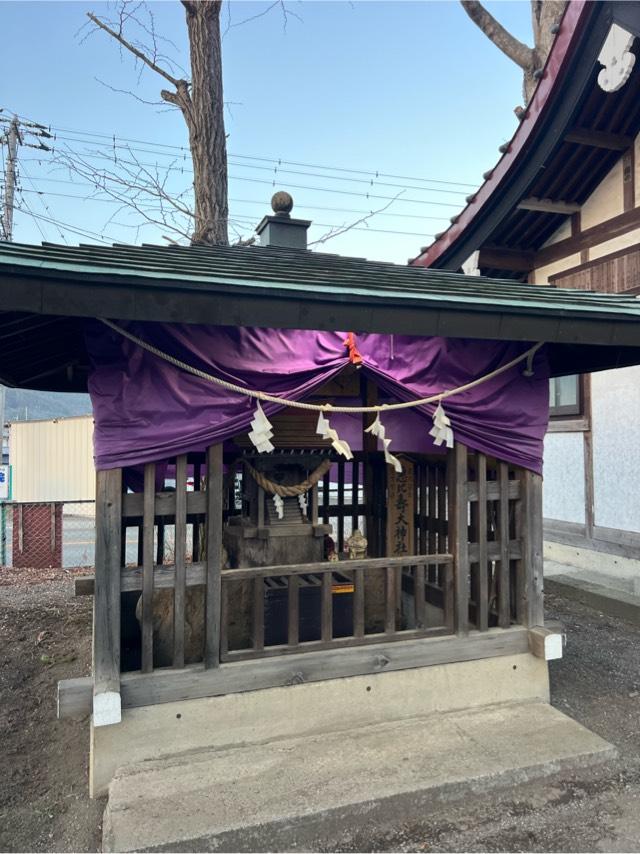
(572, 26)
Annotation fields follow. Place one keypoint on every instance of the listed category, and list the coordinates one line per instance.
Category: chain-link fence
(47, 534)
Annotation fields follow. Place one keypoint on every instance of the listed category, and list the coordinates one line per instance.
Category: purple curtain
(147, 410)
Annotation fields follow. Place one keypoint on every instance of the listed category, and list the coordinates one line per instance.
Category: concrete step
(617, 579)
(309, 792)
(617, 603)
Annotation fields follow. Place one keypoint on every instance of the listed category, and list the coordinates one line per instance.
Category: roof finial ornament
(281, 203)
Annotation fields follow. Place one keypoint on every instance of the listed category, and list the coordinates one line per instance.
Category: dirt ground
(45, 636)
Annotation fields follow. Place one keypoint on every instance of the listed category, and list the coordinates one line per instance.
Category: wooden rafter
(548, 206)
(599, 139)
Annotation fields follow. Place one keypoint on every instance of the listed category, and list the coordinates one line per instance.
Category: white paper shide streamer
(325, 429)
(277, 500)
(377, 429)
(261, 432)
(441, 430)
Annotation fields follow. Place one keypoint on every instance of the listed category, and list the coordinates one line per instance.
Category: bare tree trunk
(205, 121)
(201, 103)
(544, 14)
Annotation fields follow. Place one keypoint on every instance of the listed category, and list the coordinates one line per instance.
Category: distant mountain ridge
(21, 405)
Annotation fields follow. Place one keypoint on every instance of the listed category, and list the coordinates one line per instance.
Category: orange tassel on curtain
(355, 357)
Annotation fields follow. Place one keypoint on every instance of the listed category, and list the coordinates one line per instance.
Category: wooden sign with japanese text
(400, 510)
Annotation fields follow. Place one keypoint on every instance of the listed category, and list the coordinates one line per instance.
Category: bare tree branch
(516, 50)
(544, 14)
(129, 92)
(134, 50)
(336, 231)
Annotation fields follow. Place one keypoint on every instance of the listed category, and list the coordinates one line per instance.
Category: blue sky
(406, 89)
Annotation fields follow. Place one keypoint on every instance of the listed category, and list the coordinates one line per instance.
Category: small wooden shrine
(280, 501)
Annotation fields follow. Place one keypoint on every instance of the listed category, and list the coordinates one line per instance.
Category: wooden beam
(131, 578)
(75, 697)
(83, 585)
(599, 139)
(168, 685)
(548, 206)
(629, 178)
(502, 258)
(106, 619)
(139, 689)
(607, 230)
(328, 567)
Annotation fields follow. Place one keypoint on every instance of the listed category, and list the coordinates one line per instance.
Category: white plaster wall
(625, 241)
(541, 274)
(615, 401)
(563, 491)
(606, 201)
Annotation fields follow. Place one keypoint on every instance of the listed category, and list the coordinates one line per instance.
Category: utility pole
(13, 138)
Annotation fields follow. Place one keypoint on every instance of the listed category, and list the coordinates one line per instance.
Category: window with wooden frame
(566, 397)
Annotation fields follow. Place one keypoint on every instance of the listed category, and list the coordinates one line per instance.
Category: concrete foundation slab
(190, 726)
(303, 792)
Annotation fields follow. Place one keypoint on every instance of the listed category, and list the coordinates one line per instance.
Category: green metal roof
(298, 270)
(275, 287)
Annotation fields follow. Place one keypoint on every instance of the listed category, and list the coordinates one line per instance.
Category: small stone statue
(357, 546)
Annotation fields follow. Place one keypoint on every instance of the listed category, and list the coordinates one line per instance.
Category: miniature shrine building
(331, 468)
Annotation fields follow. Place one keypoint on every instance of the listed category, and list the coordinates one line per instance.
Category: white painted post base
(107, 708)
(545, 643)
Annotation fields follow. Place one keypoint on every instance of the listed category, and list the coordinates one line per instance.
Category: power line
(251, 221)
(231, 200)
(278, 169)
(272, 183)
(82, 232)
(41, 199)
(277, 160)
(32, 215)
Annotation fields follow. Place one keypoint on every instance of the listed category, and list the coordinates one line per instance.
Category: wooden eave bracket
(548, 206)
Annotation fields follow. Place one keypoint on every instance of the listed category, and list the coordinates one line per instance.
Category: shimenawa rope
(289, 491)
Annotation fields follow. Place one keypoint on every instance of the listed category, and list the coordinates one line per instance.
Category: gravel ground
(45, 636)
(597, 683)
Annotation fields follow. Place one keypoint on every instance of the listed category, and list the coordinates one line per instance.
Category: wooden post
(532, 539)
(106, 603)
(504, 615)
(483, 579)
(459, 534)
(214, 557)
(179, 591)
(148, 520)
